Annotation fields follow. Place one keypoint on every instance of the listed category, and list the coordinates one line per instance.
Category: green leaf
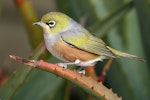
(40, 85)
(104, 26)
(17, 79)
(29, 17)
(125, 36)
(142, 8)
(135, 75)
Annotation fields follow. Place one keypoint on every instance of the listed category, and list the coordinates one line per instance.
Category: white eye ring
(51, 23)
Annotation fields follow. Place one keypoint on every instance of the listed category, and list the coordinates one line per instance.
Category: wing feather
(87, 42)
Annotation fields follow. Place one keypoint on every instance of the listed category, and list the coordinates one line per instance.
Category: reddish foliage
(3, 77)
(18, 1)
(102, 77)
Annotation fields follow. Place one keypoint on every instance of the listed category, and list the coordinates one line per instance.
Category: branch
(102, 77)
(96, 89)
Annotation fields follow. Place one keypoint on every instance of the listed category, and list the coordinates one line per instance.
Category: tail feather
(122, 54)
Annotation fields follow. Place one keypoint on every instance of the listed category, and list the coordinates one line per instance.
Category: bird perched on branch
(72, 43)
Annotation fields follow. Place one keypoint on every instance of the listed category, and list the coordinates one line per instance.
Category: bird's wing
(85, 41)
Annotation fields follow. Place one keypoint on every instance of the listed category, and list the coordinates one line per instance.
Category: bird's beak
(39, 23)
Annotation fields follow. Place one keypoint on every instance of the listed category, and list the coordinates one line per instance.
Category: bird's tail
(122, 54)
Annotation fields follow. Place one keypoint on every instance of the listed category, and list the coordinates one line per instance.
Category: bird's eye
(51, 23)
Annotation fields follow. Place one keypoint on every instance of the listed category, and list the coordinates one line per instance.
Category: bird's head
(54, 22)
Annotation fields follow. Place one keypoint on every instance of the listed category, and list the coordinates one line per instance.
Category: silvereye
(72, 43)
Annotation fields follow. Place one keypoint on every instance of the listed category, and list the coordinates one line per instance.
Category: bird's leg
(86, 63)
(89, 63)
(69, 63)
(77, 61)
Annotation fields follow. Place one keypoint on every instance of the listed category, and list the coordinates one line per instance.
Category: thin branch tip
(24, 61)
(11, 56)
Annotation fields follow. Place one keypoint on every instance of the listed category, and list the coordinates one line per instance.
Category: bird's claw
(82, 72)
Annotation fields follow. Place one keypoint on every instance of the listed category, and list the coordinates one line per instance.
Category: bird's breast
(50, 42)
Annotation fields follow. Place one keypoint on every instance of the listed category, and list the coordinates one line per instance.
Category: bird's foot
(81, 71)
(64, 65)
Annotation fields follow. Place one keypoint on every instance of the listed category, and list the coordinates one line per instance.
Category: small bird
(72, 43)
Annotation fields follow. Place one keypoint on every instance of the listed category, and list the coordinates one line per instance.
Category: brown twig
(91, 86)
(91, 72)
(101, 78)
(3, 77)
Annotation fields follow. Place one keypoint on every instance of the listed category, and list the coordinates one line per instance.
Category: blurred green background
(122, 24)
